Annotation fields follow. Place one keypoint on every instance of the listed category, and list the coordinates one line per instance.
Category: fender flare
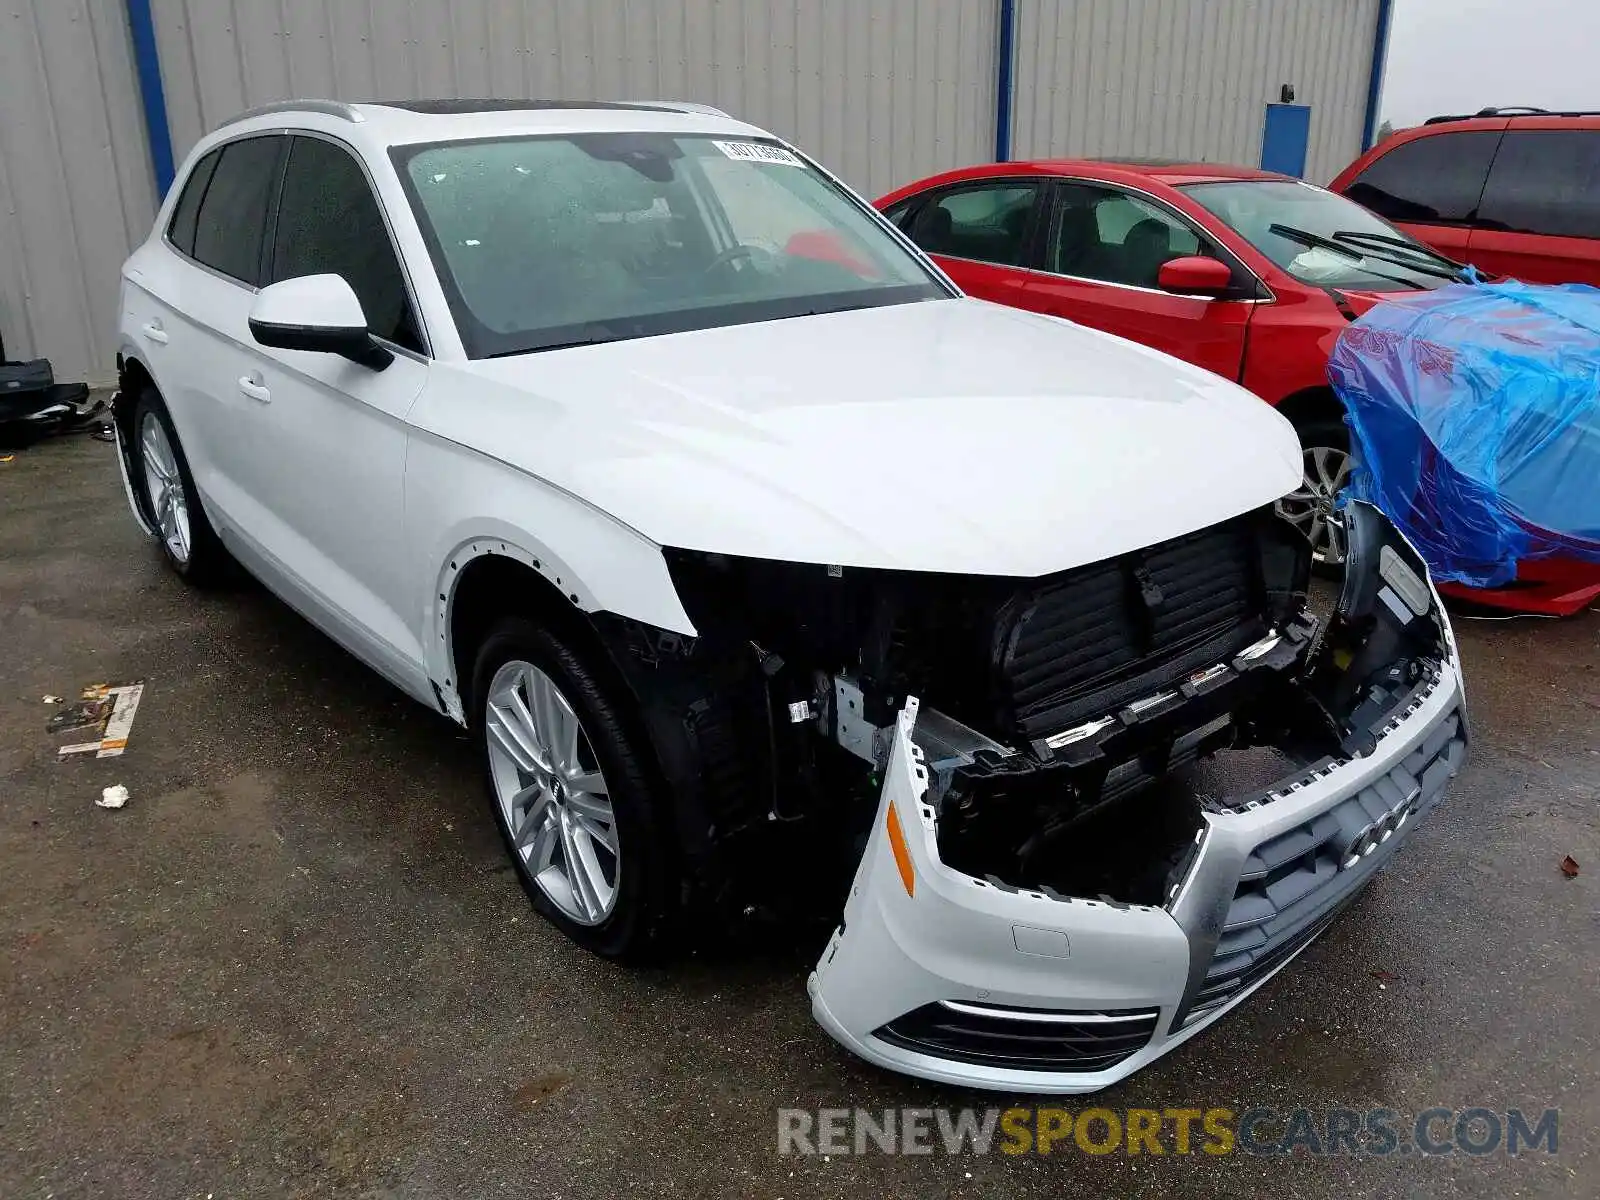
(653, 605)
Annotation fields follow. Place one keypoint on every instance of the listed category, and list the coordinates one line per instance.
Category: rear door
(983, 234)
(327, 436)
(1431, 186)
(1102, 260)
(191, 311)
(1540, 215)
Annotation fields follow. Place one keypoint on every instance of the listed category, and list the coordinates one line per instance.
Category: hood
(948, 435)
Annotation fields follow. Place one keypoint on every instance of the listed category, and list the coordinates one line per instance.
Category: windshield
(1320, 237)
(544, 242)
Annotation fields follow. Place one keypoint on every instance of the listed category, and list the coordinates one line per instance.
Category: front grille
(1086, 641)
(1294, 884)
(1022, 1039)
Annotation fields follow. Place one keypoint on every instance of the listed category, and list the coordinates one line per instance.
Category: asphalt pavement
(298, 964)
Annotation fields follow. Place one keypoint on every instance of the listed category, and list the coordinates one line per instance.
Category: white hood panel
(953, 436)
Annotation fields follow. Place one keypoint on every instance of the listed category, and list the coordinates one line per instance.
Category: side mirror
(317, 313)
(1196, 275)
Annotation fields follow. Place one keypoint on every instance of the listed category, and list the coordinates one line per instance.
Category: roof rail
(1512, 111)
(330, 108)
(683, 106)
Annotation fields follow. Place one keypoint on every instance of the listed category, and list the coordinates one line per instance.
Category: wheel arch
(1312, 404)
(133, 377)
(490, 576)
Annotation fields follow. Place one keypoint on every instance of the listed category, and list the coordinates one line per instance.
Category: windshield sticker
(756, 152)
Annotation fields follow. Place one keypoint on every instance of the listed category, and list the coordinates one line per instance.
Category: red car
(1250, 274)
(1514, 191)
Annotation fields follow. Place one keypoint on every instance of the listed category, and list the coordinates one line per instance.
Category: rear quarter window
(1436, 179)
(181, 231)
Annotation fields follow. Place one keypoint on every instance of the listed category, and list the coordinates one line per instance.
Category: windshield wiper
(1447, 268)
(1316, 241)
(589, 335)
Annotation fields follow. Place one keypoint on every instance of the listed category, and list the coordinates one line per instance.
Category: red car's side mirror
(1196, 275)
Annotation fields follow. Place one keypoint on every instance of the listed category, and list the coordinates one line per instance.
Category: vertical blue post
(1380, 58)
(147, 64)
(1004, 80)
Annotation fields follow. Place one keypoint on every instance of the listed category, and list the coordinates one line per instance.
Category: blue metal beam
(147, 64)
(1005, 82)
(1380, 58)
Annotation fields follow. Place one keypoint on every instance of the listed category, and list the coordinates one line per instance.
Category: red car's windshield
(1321, 238)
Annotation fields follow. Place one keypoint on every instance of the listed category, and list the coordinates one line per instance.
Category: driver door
(1103, 256)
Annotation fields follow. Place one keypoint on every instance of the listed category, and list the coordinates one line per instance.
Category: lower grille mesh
(1022, 1039)
(1296, 883)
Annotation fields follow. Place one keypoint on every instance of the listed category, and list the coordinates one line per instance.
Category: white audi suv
(628, 438)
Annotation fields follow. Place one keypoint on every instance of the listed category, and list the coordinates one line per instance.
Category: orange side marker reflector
(902, 856)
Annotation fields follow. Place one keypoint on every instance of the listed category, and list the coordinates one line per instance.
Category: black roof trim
(1520, 110)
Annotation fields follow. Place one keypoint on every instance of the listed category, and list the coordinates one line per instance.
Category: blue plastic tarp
(1475, 423)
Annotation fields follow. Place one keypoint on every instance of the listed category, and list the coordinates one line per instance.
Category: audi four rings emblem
(1378, 832)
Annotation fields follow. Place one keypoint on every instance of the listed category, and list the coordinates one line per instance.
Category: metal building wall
(1180, 78)
(76, 187)
(881, 91)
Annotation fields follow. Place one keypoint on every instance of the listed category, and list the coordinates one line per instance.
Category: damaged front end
(1084, 813)
(1054, 915)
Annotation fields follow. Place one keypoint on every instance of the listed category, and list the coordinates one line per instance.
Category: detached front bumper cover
(968, 981)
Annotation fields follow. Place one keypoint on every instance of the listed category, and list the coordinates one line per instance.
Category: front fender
(462, 505)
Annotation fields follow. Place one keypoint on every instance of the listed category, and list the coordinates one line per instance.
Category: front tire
(571, 792)
(172, 505)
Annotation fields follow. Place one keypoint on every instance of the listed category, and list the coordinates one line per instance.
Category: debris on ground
(1384, 977)
(48, 699)
(1569, 867)
(114, 796)
(112, 709)
(120, 724)
(33, 404)
(76, 716)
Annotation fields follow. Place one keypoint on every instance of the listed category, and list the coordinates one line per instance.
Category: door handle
(153, 331)
(255, 389)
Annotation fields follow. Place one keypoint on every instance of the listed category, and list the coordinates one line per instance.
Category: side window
(1545, 181)
(1438, 178)
(232, 217)
(329, 223)
(900, 213)
(989, 223)
(184, 215)
(1110, 235)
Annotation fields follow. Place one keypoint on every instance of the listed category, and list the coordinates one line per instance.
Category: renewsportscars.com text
(1167, 1131)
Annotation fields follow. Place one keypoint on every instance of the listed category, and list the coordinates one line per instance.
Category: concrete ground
(298, 964)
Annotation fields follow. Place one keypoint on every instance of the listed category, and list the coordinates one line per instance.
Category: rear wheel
(172, 505)
(1311, 508)
(572, 796)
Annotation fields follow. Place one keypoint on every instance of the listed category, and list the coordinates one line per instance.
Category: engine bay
(1076, 728)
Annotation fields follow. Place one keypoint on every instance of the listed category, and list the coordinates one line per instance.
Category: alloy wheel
(552, 794)
(164, 486)
(1312, 508)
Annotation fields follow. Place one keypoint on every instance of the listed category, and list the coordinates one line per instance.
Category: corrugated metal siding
(881, 91)
(76, 187)
(1190, 78)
